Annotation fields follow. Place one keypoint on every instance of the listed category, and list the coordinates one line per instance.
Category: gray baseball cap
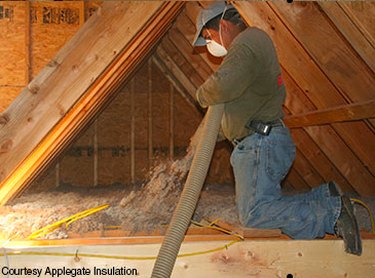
(204, 16)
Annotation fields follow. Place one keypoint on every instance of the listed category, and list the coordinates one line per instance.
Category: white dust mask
(215, 48)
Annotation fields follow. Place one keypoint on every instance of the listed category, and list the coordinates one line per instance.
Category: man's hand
(200, 100)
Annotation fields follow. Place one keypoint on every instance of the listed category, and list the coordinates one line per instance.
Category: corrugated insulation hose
(189, 197)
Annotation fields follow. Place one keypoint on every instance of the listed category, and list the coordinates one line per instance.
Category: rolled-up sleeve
(236, 72)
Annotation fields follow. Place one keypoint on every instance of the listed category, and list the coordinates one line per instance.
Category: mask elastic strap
(222, 16)
(209, 34)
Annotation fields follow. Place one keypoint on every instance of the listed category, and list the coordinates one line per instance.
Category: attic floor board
(249, 258)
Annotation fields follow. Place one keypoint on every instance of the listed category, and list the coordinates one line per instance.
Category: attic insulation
(147, 207)
(138, 208)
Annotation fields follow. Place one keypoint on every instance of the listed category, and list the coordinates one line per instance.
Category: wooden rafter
(186, 82)
(347, 151)
(74, 86)
(176, 77)
(347, 24)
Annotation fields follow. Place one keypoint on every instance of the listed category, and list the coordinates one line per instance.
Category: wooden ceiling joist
(74, 86)
(351, 112)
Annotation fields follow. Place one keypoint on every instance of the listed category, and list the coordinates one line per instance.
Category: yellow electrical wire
(67, 221)
(218, 228)
(212, 225)
(143, 258)
(369, 211)
(80, 215)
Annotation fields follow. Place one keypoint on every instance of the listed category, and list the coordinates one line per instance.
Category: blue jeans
(260, 163)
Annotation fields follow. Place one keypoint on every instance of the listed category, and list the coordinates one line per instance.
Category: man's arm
(231, 79)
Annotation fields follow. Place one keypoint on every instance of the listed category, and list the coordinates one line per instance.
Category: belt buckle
(265, 129)
(259, 127)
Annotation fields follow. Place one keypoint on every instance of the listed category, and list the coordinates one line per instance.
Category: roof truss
(74, 86)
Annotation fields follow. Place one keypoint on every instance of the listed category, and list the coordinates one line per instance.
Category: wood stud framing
(150, 148)
(171, 122)
(27, 42)
(332, 121)
(132, 131)
(68, 116)
(96, 153)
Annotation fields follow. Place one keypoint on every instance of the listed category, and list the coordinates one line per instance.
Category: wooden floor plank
(250, 258)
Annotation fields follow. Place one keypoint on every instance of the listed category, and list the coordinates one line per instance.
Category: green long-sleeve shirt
(248, 82)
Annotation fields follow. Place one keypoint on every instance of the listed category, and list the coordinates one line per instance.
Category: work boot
(334, 190)
(346, 226)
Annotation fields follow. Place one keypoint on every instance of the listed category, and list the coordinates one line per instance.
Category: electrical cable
(214, 226)
(142, 258)
(210, 226)
(85, 213)
(67, 221)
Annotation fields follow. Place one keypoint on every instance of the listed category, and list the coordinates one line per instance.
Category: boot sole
(348, 207)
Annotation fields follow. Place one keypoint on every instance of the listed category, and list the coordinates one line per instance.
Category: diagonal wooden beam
(73, 87)
(174, 73)
(343, 113)
(175, 82)
(346, 24)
